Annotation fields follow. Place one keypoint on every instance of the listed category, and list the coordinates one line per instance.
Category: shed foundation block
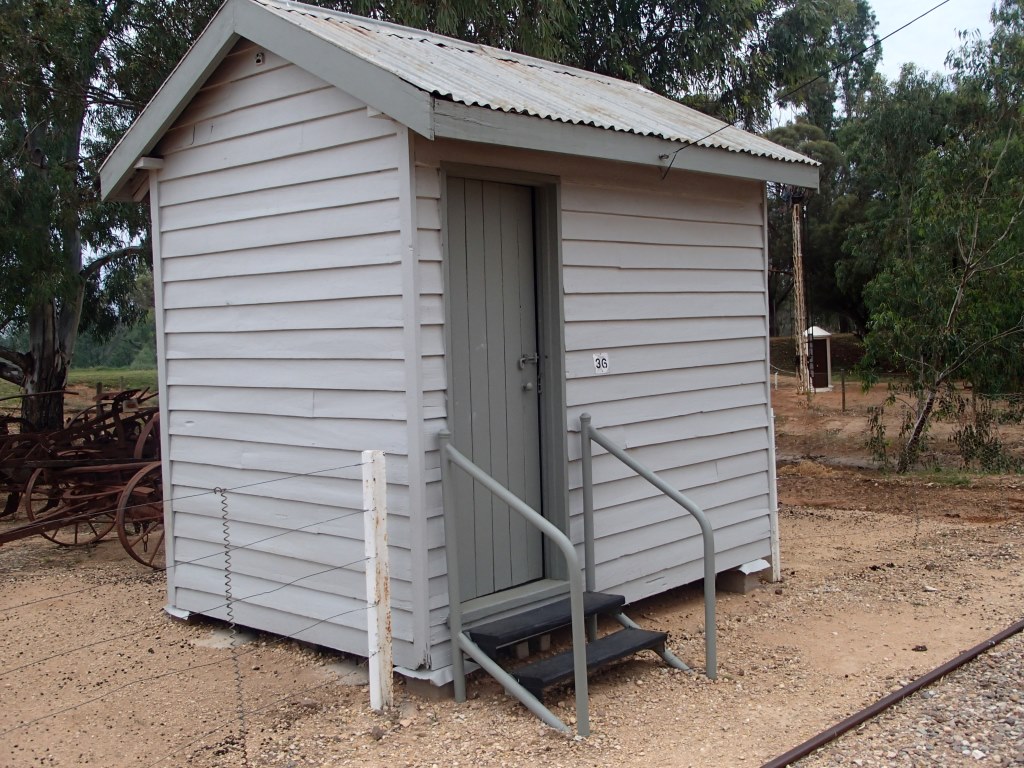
(742, 580)
(426, 689)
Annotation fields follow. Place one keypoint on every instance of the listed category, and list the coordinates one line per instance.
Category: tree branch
(964, 357)
(11, 373)
(12, 365)
(14, 357)
(96, 265)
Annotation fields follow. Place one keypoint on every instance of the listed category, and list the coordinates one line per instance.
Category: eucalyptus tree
(948, 302)
(75, 73)
(71, 78)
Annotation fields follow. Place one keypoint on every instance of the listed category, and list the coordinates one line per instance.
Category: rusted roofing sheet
(478, 75)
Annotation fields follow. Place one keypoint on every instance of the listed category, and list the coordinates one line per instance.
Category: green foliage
(976, 432)
(55, 60)
(915, 234)
(822, 224)
(900, 124)
(127, 346)
(838, 77)
(943, 476)
(837, 51)
(950, 300)
(877, 444)
(725, 57)
(114, 378)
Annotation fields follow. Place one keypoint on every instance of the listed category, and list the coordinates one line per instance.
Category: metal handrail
(587, 433)
(451, 455)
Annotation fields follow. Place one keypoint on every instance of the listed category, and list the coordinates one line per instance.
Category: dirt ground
(884, 578)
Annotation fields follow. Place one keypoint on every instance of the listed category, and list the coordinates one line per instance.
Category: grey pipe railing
(590, 433)
(451, 455)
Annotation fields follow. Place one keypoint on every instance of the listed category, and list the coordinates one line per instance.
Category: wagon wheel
(56, 497)
(140, 517)
(147, 445)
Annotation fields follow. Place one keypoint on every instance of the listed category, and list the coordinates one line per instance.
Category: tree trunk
(908, 456)
(47, 371)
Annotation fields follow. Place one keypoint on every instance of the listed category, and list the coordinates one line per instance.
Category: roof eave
(453, 120)
(409, 105)
(117, 173)
(238, 19)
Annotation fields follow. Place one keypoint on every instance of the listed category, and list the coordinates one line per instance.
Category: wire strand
(178, 750)
(781, 99)
(155, 624)
(215, 554)
(171, 673)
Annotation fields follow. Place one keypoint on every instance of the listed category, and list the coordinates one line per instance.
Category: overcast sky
(927, 41)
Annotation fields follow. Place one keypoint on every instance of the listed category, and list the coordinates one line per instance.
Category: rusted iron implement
(100, 472)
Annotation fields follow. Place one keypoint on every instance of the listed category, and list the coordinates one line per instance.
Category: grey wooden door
(493, 405)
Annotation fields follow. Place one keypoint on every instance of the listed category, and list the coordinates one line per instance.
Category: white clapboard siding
(325, 343)
(327, 630)
(280, 219)
(347, 190)
(641, 357)
(609, 523)
(358, 160)
(273, 457)
(618, 228)
(585, 391)
(665, 456)
(605, 334)
(294, 139)
(369, 218)
(655, 305)
(603, 280)
(657, 256)
(668, 277)
(383, 248)
(309, 403)
(670, 283)
(341, 313)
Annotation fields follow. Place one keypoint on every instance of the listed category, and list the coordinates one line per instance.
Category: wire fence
(239, 720)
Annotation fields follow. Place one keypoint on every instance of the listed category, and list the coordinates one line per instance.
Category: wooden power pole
(799, 301)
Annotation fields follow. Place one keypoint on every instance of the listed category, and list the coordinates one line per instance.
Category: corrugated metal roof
(481, 76)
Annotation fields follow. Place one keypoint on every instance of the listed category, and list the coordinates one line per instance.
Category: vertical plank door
(494, 406)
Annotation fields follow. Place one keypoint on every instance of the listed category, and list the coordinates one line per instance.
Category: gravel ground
(93, 673)
(973, 716)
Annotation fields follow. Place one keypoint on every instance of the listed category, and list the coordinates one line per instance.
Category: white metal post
(378, 583)
(773, 502)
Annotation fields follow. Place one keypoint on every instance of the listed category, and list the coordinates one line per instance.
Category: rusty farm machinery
(99, 473)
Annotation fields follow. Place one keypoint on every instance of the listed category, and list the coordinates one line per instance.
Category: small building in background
(819, 358)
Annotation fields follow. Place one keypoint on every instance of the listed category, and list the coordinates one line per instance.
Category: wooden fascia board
(376, 87)
(488, 126)
(169, 102)
(243, 19)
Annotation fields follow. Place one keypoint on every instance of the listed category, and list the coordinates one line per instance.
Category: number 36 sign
(602, 364)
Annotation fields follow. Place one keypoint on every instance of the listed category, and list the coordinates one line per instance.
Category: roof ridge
(436, 38)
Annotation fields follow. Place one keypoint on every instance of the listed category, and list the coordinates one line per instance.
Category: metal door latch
(527, 359)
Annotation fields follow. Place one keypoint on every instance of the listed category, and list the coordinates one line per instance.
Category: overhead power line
(781, 99)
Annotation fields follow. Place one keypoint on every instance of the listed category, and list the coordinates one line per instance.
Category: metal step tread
(538, 675)
(538, 621)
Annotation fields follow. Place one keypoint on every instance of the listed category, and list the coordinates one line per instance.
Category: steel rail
(873, 710)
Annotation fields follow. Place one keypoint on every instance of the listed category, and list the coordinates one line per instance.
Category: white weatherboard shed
(365, 234)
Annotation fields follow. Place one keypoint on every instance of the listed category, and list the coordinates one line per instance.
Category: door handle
(527, 359)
